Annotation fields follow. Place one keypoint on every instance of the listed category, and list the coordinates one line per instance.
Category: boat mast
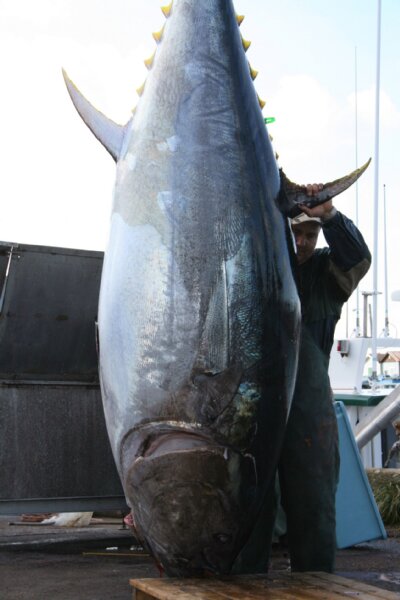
(376, 193)
(358, 327)
(386, 329)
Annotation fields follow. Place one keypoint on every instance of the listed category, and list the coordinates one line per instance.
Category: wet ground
(40, 562)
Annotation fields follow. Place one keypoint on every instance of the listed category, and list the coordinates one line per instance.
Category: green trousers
(308, 475)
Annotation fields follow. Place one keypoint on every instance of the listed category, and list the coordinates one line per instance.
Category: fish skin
(198, 313)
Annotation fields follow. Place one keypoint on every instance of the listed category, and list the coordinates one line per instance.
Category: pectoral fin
(292, 195)
(109, 133)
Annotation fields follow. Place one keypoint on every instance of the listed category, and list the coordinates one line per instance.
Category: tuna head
(188, 503)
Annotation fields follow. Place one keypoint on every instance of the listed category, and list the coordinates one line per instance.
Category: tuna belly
(189, 499)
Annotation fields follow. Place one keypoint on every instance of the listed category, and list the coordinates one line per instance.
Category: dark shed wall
(54, 443)
(54, 450)
(47, 325)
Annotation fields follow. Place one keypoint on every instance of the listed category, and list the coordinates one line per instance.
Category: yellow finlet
(276, 156)
(140, 89)
(246, 44)
(271, 139)
(239, 19)
(149, 61)
(158, 35)
(253, 72)
(261, 102)
(167, 10)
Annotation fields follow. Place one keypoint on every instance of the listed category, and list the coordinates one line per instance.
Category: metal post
(365, 328)
(375, 298)
(3, 291)
(386, 330)
(358, 328)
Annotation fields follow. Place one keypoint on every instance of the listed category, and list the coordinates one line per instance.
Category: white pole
(358, 327)
(386, 331)
(376, 194)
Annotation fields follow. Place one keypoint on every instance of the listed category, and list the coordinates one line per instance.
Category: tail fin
(292, 194)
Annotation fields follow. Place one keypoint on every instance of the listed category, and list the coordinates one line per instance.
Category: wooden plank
(286, 582)
(217, 589)
(359, 586)
(206, 589)
(308, 589)
(178, 589)
(297, 585)
(257, 588)
(336, 589)
(244, 588)
(280, 586)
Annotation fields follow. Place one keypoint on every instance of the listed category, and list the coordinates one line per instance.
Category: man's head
(305, 230)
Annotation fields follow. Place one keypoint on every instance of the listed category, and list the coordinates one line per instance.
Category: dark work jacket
(328, 278)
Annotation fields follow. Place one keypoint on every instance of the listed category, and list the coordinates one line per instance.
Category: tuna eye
(223, 538)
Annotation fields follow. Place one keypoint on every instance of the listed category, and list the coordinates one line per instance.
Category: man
(328, 276)
(309, 464)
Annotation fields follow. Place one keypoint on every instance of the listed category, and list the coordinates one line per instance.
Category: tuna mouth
(159, 438)
(178, 441)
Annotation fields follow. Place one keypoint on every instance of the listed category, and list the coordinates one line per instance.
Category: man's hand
(323, 211)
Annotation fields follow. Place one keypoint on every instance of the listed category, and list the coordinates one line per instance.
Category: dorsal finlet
(246, 44)
(158, 35)
(140, 89)
(149, 61)
(239, 19)
(167, 10)
(253, 72)
(262, 103)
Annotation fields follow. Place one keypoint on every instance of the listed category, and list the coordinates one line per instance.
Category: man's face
(306, 236)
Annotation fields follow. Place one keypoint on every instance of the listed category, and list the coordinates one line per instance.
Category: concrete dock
(39, 562)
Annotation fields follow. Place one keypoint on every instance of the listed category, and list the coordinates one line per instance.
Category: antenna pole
(376, 194)
(358, 326)
(386, 330)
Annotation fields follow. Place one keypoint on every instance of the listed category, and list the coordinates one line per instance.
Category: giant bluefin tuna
(199, 313)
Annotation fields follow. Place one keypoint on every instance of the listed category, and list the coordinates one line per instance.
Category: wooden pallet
(282, 586)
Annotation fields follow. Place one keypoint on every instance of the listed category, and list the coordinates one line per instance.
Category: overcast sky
(56, 180)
